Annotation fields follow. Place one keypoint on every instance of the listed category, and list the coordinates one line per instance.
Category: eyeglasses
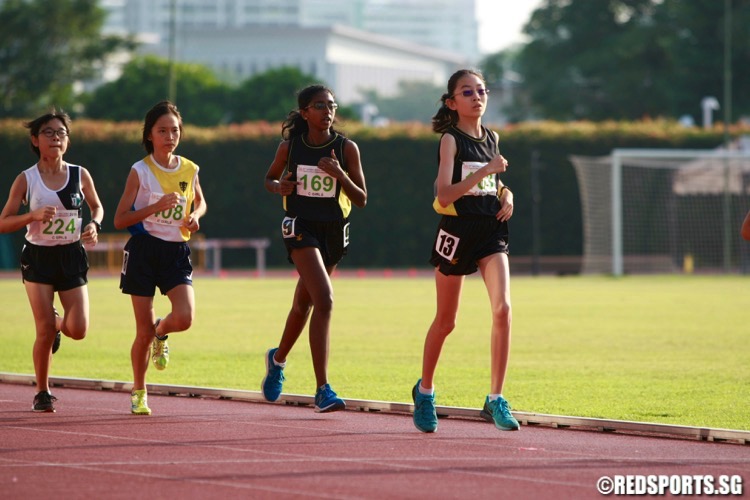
(320, 106)
(49, 132)
(470, 92)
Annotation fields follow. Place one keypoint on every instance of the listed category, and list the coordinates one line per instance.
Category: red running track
(204, 448)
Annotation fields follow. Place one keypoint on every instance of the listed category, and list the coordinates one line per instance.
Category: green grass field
(668, 349)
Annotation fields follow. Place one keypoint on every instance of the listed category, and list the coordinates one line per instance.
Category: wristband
(501, 191)
(97, 225)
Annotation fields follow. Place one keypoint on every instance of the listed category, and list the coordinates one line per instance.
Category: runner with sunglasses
(473, 234)
(318, 173)
(53, 258)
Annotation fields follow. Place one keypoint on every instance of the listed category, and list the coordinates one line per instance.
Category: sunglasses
(320, 106)
(470, 92)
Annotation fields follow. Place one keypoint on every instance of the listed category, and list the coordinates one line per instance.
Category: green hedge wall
(396, 228)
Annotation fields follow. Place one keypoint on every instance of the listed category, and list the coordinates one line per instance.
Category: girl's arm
(274, 183)
(90, 235)
(746, 227)
(192, 223)
(125, 215)
(10, 220)
(354, 183)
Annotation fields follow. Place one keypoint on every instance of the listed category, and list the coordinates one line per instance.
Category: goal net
(664, 211)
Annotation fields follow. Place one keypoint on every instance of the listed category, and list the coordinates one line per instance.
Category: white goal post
(664, 210)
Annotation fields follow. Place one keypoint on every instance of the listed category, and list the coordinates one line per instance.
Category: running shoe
(58, 335)
(425, 415)
(43, 402)
(326, 400)
(274, 380)
(498, 411)
(139, 403)
(160, 350)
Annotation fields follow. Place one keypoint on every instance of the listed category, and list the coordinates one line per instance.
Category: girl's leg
(295, 321)
(41, 298)
(317, 282)
(75, 320)
(496, 275)
(182, 298)
(448, 291)
(143, 308)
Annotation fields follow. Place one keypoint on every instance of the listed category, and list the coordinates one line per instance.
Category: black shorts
(63, 266)
(330, 237)
(149, 262)
(462, 241)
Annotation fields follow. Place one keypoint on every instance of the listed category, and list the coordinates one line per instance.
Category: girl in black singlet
(472, 234)
(318, 173)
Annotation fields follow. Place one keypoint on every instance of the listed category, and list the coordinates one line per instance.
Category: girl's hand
(44, 214)
(90, 236)
(506, 206)
(285, 187)
(169, 200)
(192, 223)
(497, 165)
(331, 166)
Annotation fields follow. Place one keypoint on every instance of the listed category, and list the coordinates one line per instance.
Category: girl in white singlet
(53, 258)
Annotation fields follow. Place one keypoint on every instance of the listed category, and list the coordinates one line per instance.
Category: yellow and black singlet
(472, 154)
(318, 196)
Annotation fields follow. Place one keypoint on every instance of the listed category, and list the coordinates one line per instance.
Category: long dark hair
(36, 124)
(157, 111)
(445, 117)
(295, 125)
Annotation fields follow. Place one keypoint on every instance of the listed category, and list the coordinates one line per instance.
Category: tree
(200, 95)
(626, 59)
(269, 96)
(45, 48)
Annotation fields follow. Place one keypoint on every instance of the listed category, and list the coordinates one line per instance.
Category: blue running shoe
(326, 400)
(498, 411)
(274, 380)
(425, 415)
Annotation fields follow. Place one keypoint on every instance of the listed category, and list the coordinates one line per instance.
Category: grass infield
(667, 349)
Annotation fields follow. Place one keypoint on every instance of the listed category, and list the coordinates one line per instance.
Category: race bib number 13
(446, 245)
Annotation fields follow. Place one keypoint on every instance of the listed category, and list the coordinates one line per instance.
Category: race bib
(346, 234)
(65, 227)
(485, 186)
(170, 216)
(446, 245)
(314, 182)
(287, 227)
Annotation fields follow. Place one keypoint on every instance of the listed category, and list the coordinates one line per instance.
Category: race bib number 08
(65, 227)
(485, 186)
(170, 216)
(314, 182)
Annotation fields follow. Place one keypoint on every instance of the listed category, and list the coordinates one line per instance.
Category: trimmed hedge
(396, 228)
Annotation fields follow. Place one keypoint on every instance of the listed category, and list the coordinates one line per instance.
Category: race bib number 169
(314, 182)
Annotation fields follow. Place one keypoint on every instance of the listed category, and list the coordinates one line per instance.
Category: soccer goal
(664, 211)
